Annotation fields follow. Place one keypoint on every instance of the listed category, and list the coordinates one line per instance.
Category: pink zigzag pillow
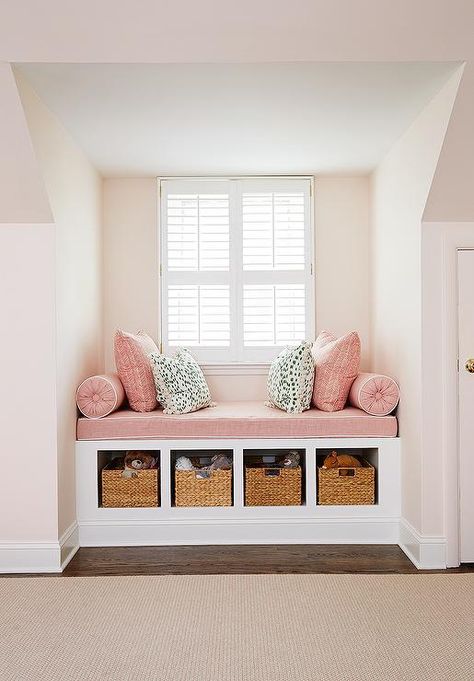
(336, 365)
(132, 353)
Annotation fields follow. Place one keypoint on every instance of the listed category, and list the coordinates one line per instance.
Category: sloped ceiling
(139, 120)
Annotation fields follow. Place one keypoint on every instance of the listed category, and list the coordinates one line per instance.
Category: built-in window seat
(237, 420)
(243, 431)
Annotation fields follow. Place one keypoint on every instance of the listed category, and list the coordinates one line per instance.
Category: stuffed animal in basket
(220, 462)
(290, 460)
(138, 461)
(335, 460)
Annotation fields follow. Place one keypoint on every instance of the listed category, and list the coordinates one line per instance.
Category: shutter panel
(198, 232)
(289, 314)
(183, 315)
(198, 315)
(273, 231)
(273, 314)
(259, 317)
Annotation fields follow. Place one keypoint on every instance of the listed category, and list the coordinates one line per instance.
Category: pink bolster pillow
(99, 396)
(375, 394)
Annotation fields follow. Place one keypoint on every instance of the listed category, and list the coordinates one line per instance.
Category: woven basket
(267, 486)
(347, 486)
(141, 490)
(203, 488)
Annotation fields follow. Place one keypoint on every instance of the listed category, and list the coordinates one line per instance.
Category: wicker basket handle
(349, 472)
(272, 472)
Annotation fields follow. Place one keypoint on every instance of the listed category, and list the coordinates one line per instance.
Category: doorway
(466, 403)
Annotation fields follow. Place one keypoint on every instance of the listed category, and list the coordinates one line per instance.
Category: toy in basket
(201, 484)
(131, 481)
(137, 461)
(344, 479)
(273, 483)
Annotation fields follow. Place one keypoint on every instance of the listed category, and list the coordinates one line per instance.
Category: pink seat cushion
(374, 393)
(336, 365)
(134, 368)
(237, 420)
(99, 396)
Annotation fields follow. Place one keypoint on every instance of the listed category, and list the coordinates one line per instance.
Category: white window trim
(241, 367)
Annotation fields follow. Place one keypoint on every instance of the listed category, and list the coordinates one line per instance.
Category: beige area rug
(238, 628)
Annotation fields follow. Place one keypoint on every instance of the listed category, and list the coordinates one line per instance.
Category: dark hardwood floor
(251, 559)
(242, 560)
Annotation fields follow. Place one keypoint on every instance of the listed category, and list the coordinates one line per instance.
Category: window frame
(228, 360)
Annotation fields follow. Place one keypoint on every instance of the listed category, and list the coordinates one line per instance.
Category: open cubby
(208, 488)
(273, 475)
(369, 454)
(132, 486)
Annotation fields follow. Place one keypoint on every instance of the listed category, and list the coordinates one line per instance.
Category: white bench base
(307, 524)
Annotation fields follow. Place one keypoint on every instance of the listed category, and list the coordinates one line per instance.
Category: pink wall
(29, 498)
(248, 31)
(217, 31)
(440, 242)
(447, 225)
(452, 193)
(75, 193)
(400, 188)
(131, 266)
(131, 275)
(22, 193)
(341, 224)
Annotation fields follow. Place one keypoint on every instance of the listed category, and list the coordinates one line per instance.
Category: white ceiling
(289, 118)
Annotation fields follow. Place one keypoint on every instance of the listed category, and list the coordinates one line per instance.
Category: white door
(466, 404)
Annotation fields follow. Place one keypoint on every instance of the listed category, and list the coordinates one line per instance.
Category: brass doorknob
(470, 366)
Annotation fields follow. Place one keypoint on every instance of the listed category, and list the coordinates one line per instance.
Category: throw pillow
(133, 367)
(180, 383)
(376, 394)
(336, 362)
(290, 380)
(99, 396)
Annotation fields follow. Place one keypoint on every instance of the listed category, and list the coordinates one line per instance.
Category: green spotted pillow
(291, 378)
(180, 383)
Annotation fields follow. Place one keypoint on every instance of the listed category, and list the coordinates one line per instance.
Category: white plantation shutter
(236, 266)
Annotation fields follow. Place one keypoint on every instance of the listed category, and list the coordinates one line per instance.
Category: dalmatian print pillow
(180, 383)
(291, 378)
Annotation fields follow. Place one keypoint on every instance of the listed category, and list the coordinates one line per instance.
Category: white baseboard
(36, 557)
(255, 531)
(69, 544)
(425, 552)
(29, 557)
(210, 531)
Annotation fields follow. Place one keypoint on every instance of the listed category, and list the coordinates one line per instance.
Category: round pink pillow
(99, 396)
(376, 394)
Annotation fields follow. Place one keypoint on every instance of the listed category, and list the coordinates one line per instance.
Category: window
(236, 274)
